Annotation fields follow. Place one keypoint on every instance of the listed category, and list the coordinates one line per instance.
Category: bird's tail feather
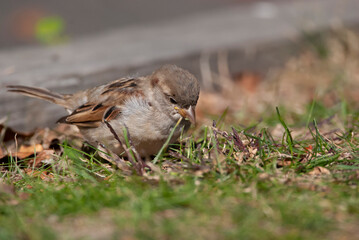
(41, 93)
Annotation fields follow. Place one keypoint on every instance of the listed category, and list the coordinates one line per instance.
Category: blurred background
(49, 22)
(249, 55)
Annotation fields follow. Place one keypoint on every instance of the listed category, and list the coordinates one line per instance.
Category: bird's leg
(137, 166)
(137, 155)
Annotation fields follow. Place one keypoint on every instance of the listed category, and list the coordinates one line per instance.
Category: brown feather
(41, 93)
(91, 115)
(113, 94)
(111, 113)
(88, 124)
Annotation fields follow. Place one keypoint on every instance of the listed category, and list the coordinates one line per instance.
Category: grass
(292, 175)
(217, 185)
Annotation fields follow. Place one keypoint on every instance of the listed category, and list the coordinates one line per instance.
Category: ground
(273, 157)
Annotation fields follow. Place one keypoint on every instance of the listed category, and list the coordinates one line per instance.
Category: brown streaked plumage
(148, 106)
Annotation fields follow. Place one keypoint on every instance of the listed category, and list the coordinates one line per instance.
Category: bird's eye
(173, 101)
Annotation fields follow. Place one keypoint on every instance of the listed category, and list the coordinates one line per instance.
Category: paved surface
(83, 17)
(90, 61)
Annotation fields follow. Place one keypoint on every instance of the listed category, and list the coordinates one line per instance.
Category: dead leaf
(32, 148)
(44, 175)
(27, 151)
(252, 152)
(319, 171)
(309, 148)
(39, 158)
(285, 162)
(239, 156)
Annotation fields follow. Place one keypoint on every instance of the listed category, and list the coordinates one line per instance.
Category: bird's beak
(188, 113)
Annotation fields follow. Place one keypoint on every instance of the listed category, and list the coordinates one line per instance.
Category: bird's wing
(107, 103)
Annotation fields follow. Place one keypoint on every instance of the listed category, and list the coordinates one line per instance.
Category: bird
(148, 107)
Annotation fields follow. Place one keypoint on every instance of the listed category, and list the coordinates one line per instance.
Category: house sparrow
(149, 107)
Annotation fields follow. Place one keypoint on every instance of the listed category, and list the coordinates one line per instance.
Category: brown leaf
(31, 148)
(284, 162)
(22, 155)
(309, 148)
(27, 151)
(44, 175)
(44, 155)
(319, 171)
